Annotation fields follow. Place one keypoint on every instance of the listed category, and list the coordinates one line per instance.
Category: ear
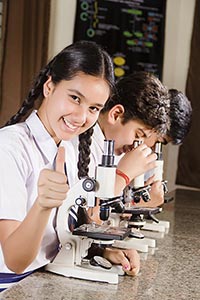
(115, 113)
(48, 87)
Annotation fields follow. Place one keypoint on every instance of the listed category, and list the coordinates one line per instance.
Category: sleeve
(13, 192)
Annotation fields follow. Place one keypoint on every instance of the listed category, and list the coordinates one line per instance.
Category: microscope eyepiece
(108, 156)
(158, 150)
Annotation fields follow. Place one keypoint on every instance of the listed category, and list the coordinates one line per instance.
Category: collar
(42, 138)
(98, 136)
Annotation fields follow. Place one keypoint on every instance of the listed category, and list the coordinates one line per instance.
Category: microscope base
(84, 273)
(141, 245)
(153, 234)
(162, 226)
(153, 227)
(150, 242)
(129, 244)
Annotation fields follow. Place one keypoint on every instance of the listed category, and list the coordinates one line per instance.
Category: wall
(61, 25)
(179, 22)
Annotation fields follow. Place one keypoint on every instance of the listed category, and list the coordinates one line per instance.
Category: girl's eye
(75, 98)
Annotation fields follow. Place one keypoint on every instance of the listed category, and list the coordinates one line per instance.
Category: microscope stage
(134, 210)
(102, 232)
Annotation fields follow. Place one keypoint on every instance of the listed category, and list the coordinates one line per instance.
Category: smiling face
(71, 107)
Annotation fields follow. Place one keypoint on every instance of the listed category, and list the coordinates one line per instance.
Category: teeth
(69, 124)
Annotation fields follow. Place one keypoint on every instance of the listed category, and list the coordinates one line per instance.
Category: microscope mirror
(101, 262)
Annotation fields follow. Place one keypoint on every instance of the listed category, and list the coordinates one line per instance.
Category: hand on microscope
(156, 194)
(128, 258)
(135, 161)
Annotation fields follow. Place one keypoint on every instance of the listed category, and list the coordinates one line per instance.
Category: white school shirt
(71, 155)
(25, 149)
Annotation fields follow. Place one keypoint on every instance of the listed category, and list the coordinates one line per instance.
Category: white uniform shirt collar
(42, 138)
(98, 136)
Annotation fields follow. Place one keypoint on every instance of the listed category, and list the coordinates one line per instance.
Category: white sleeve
(13, 192)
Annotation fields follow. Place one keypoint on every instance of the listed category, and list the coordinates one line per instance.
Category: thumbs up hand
(60, 160)
(52, 185)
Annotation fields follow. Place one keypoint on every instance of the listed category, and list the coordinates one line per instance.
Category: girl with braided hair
(72, 88)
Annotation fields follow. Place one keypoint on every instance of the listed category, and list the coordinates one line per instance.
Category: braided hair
(83, 56)
(85, 141)
(34, 93)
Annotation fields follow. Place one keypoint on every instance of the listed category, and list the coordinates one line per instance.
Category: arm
(134, 163)
(21, 241)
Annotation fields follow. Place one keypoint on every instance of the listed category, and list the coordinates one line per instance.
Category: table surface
(171, 272)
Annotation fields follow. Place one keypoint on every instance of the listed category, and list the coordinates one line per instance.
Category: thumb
(60, 160)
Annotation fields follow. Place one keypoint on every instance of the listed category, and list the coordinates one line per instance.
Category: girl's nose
(80, 115)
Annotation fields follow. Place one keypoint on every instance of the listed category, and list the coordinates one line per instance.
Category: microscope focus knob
(89, 184)
(68, 246)
(80, 201)
(145, 196)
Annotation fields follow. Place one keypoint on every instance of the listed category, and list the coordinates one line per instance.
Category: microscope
(141, 191)
(138, 217)
(71, 259)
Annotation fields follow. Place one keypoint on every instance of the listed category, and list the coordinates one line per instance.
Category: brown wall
(25, 52)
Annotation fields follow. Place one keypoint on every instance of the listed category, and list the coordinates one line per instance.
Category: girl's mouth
(69, 125)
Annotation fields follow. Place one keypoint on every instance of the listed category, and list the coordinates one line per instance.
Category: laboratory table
(171, 271)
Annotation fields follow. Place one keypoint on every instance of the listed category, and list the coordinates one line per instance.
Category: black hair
(85, 140)
(180, 116)
(83, 56)
(143, 97)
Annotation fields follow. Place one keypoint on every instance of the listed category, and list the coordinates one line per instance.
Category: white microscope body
(70, 259)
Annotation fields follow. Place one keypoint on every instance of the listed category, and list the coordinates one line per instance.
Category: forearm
(21, 247)
(120, 184)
